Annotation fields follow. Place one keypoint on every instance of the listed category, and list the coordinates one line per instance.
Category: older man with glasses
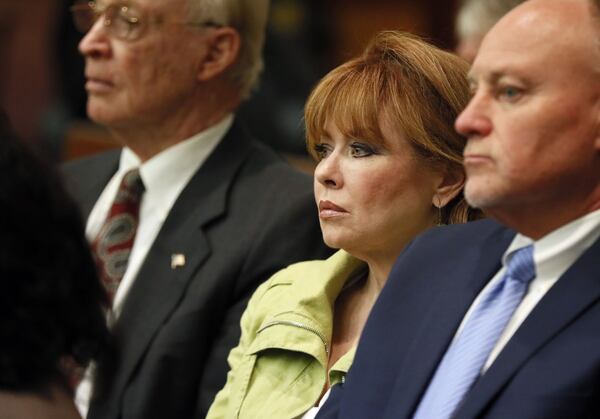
(191, 214)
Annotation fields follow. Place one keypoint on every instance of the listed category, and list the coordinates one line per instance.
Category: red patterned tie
(115, 239)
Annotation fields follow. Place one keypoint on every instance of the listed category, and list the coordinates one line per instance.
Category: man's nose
(475, 119)
(96, 42)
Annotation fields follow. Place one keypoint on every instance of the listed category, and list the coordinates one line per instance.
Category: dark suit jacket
(549, 369)
(244, 215)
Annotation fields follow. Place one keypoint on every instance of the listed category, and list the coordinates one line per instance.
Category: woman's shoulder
(291, 288)
(315, 270)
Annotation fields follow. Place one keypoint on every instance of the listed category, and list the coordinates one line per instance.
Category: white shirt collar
(558, 250)
(167, 173)
(158, 172)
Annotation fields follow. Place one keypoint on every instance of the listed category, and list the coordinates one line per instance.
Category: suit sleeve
(286, 231)
(223, 403)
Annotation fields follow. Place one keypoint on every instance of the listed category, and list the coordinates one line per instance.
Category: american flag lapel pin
(177, 260)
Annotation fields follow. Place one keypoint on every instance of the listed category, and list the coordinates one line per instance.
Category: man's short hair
(249, 17)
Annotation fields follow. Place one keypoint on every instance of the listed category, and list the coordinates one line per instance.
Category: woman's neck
(352, 307)
(379, 270)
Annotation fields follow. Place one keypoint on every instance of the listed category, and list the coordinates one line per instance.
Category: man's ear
(450, 185)
(223, 50)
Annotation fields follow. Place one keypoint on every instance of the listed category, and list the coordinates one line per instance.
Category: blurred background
(41, 73)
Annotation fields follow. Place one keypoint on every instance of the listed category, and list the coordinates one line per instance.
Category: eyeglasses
(123, 21)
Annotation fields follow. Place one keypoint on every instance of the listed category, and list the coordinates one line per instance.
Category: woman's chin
(339, 242)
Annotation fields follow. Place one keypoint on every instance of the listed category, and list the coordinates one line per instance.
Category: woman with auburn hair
(389, 166)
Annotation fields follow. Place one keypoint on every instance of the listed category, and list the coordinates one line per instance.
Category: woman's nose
(328, 171)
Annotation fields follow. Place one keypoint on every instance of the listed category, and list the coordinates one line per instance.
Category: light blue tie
(465, 357)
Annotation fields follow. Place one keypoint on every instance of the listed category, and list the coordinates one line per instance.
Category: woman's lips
(328, 209)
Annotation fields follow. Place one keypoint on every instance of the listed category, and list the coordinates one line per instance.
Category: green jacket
(278, 370)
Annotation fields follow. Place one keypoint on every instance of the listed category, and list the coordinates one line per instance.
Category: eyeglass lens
(121, 20)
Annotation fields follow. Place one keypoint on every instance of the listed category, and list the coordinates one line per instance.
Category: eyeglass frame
(144, 19)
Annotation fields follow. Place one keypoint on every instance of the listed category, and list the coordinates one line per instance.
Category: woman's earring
(438, 205)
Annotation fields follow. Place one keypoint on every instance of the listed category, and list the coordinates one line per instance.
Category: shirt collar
(559, 249)
(175, 166)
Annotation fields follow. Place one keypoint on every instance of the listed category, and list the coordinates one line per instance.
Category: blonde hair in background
(249, 18)
(419, 88)
(476, 17)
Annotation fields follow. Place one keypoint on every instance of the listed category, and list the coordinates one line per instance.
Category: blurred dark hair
(51, 301)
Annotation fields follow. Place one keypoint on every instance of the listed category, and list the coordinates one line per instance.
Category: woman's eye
(321, 150)
(362, 150)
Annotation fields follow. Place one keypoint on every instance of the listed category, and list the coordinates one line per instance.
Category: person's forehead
(537, 35)
(509, 56)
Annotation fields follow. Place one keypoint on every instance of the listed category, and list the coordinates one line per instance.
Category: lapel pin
(177, 260)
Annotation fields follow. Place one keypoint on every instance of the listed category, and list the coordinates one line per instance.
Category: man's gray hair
(476, 17)
(249, 17)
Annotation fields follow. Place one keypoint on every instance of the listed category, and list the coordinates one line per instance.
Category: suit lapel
(454, 297)
(159, 287)
(579, 287)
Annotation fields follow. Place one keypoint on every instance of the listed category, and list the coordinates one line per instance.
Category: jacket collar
(452, 299)
(580, 287)
(300, 318)
(159, 287)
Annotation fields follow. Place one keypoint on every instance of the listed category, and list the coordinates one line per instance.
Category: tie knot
(132, 186)
(520, 266)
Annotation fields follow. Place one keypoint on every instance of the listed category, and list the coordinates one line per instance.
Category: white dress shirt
(164, 176)
(553, 255)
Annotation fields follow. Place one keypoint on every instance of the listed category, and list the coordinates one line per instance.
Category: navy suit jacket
(244, 215)
(549, 369)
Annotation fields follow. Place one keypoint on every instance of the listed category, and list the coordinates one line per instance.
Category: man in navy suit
(533, 164)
